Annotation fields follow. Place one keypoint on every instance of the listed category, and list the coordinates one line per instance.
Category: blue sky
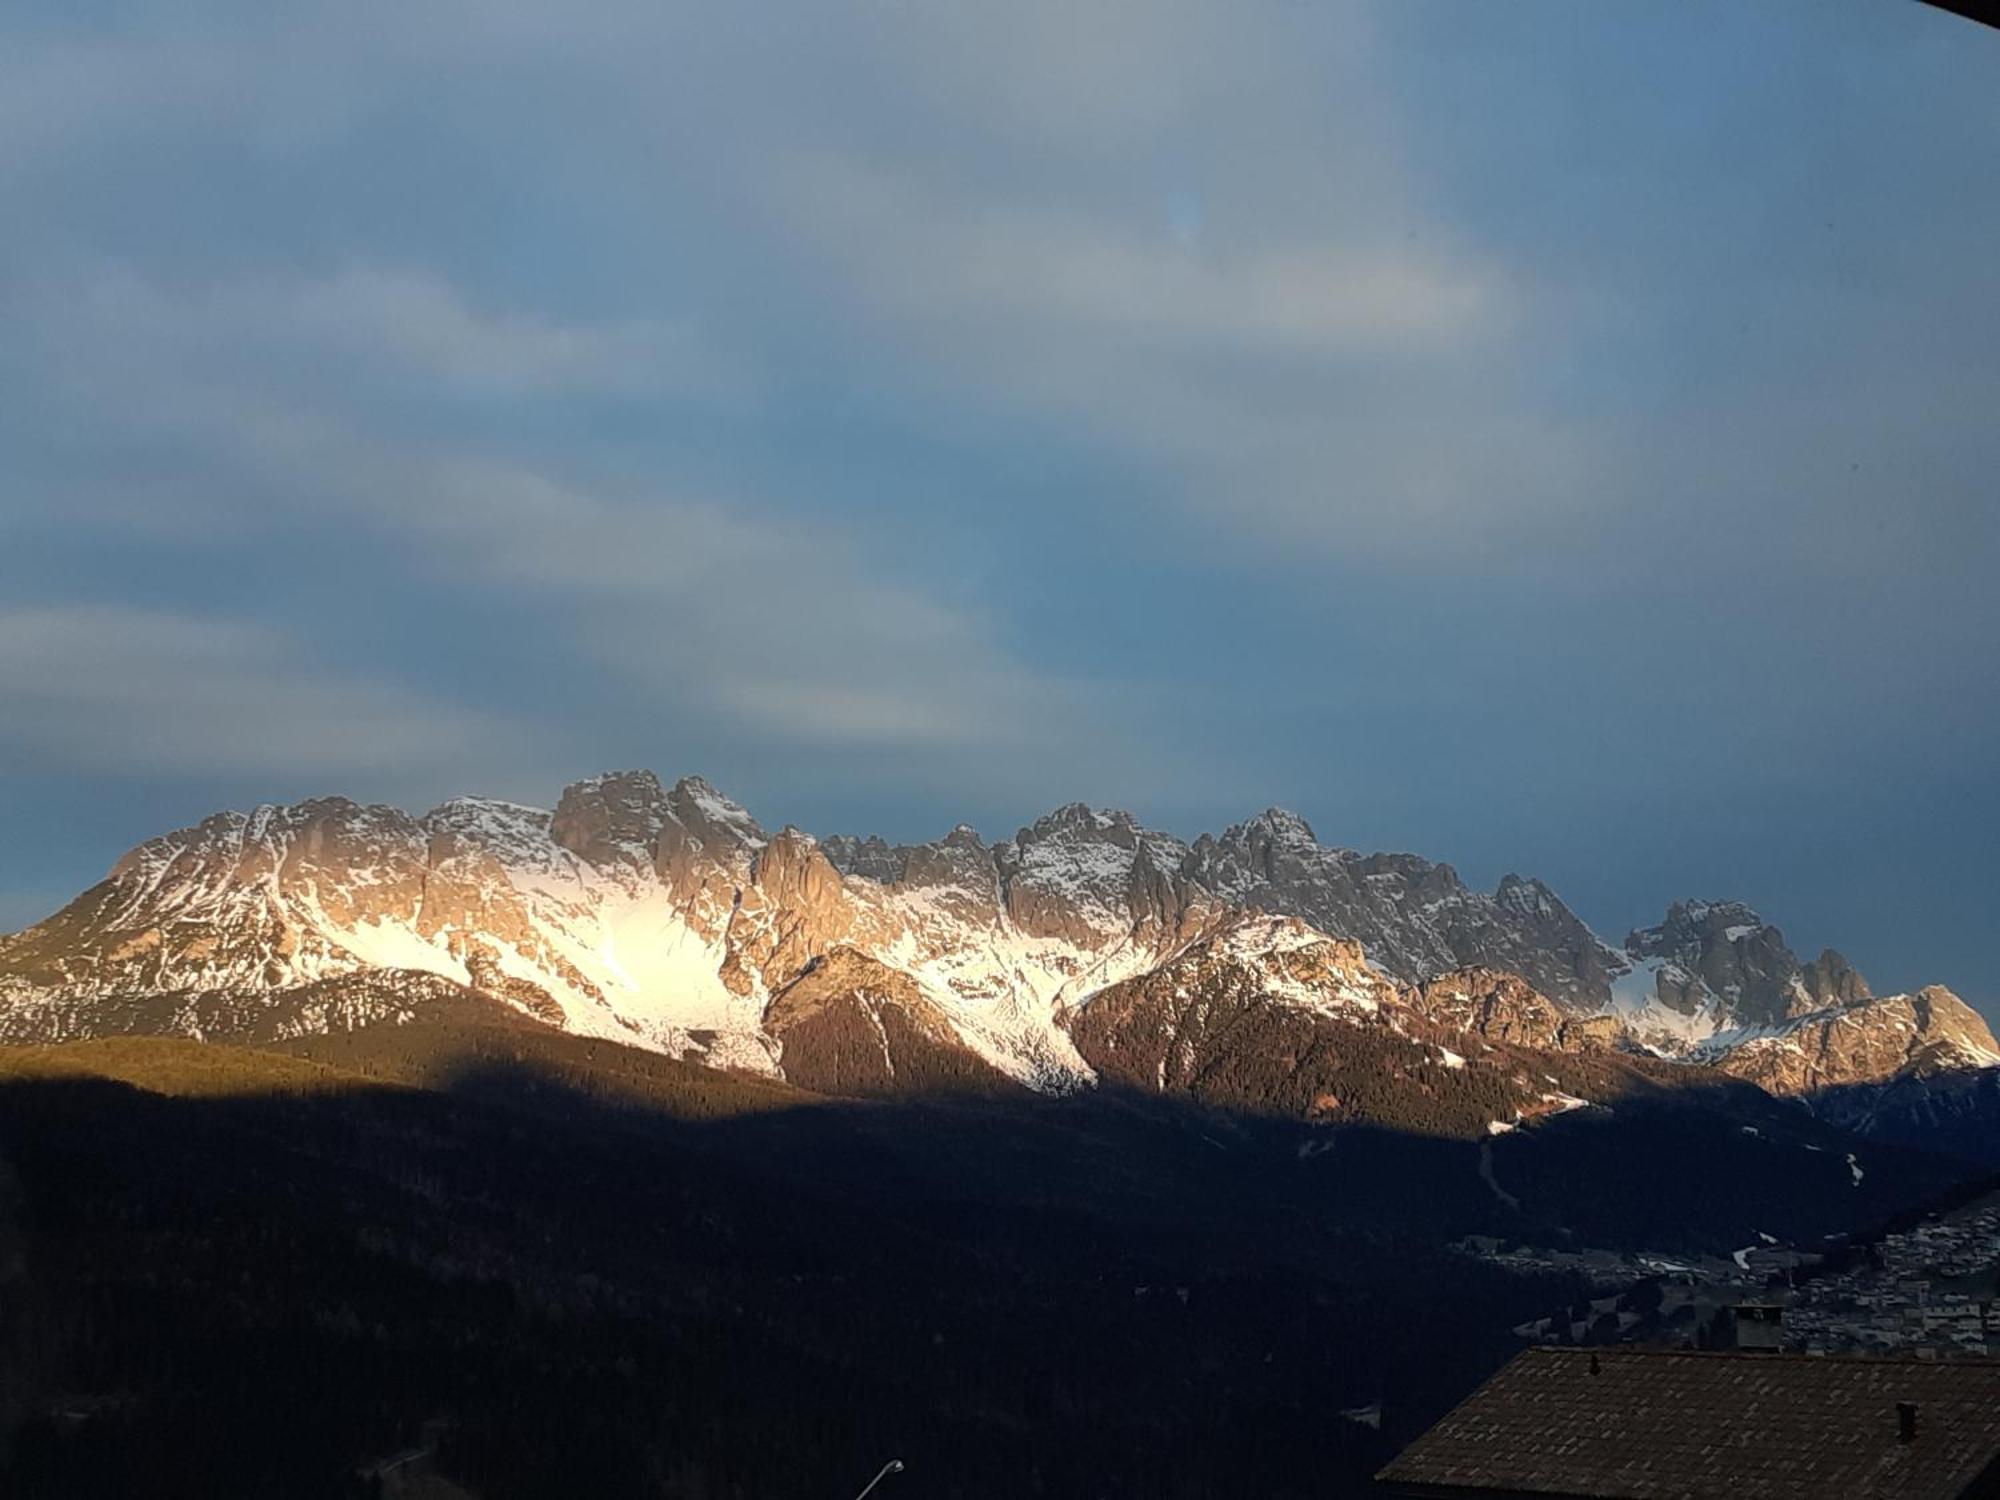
(1554, 437)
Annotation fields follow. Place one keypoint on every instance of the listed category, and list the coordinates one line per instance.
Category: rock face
(1504, 1007)
(852, 1025)
(1931, 1033)
(1720, 959)
(1267, 1016)
(1257, 967)
(1414, 918)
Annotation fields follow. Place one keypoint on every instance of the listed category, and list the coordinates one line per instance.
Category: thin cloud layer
(123, 690)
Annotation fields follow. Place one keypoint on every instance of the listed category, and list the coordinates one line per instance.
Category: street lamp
(893, 1466)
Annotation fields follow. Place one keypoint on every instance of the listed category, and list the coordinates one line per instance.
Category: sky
(1554, 437)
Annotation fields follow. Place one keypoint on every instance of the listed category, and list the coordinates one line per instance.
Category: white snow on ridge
(383, 945)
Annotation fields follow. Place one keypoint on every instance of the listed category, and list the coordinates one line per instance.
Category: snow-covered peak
(1260, 935)
(639, 783)
(698, 803)
(1689, 924)
(1284, 826)
(1716, 967)
(1088, 875)
(1079, 821)
(487, 817)
(1277, 958)
(517, 838)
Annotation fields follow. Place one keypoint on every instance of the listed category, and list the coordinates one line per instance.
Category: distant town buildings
(1931, 1290)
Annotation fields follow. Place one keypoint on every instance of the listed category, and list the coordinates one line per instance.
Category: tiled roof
(1641, 1424)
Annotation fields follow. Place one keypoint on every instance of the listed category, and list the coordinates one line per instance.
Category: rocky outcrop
(1090, 879)
(1163, 1030)
(1503, 1007)
(1267, 1016)
(1930, 1033)
(1415, 918)
(852, 1025)
(792, 908)
(613, 820)
(1720, 959)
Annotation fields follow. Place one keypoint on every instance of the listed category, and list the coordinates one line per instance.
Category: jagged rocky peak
(1263, 842)
(960, 858)
(1258, 958)
(791, 870)
(1720, 959)
(706, 814)
(1079, 820)
(510, 834)
(612, 819)
(1831, 980)
(1086, 876)
(1940, 1014)
(628, 820)
(1266, 1015)
(1691, 926)
(320, 830)
(489, 820)
(1425, 880)
(1528, 897)
(1415, 917)
(350, 858)
(1755, 1011)
(1277, 847)
(872, 858)
(356, 862)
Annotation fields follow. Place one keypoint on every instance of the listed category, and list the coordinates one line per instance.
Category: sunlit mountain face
(1085, 948)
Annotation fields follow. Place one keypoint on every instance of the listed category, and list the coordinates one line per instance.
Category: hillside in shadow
(1955, 1111)
(571, 1269)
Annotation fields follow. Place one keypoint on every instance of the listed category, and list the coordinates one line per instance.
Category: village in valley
(1926, 1290)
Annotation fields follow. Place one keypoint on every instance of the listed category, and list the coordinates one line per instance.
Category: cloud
(954, 256)
(1308, 396)
(768, 624)
(128, 690)
(1312, 363)
(1193, 240)
(501, 290)
(787, 627)
(364, 323)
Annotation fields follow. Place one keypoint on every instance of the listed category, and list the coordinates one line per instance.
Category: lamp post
(893, 1466)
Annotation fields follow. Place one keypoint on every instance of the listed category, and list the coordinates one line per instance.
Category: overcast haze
(1554, 437)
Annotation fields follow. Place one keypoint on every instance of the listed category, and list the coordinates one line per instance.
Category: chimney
(1906, 1421)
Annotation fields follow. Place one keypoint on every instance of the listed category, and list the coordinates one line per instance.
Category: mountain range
(1256, 969)
(628, 1147)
